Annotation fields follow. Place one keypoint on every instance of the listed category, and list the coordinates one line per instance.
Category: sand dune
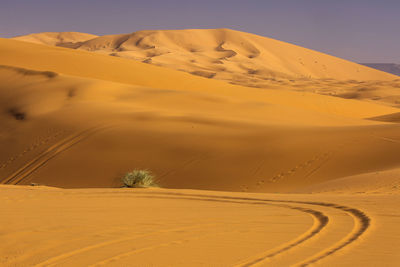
(222, 136)
(59, 60)
(244, 59)
(71, 118)
(236, 52)
(63, 39)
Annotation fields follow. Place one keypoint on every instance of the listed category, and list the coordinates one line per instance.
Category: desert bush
(139, 178)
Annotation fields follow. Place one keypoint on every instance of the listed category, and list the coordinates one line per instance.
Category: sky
(365, 31)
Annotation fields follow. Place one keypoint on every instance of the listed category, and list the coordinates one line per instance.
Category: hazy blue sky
(358, 30)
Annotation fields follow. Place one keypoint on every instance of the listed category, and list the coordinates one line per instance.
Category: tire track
(361, 224)
(54, 260)
(33, 146)
(361, 219)
(40, 160)
(320, 221)
(319, 224)
(139, 250)
(319, 166)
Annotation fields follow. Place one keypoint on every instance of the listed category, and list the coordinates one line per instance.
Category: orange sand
(75, 119)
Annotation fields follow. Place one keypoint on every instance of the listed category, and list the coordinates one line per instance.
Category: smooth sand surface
(379, 182)
(72, 118)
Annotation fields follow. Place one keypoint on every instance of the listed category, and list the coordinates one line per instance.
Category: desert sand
(63, 39)
(239, 58)
(294, 176)
(157, 227)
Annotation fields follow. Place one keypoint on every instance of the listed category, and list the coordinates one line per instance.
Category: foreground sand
(42, 226)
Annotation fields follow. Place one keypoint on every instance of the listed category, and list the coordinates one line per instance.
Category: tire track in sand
(39, 161)
(33, 146)
(143, 249)
(320, 221)
(56, 259)
(361, 220)
(361, 224)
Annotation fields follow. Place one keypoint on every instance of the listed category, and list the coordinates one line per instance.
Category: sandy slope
(245, 59)
(87, 130)
(194, 228)
(379, 182)
(205, 134)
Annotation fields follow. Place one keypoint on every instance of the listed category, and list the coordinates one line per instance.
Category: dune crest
(220, 50)
(63, 39)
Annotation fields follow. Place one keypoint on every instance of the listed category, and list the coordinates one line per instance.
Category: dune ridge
(236, 51)
(63, 39)
(249, 60)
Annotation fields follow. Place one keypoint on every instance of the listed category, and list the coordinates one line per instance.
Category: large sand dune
(190, 131)
(238, 52)
(77, 119)
(244, 59)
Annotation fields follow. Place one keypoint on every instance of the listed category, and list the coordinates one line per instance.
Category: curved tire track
(361, 224)
(362, 221)
(320, 221)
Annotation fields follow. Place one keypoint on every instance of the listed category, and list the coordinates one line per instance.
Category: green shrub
(139, 178)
